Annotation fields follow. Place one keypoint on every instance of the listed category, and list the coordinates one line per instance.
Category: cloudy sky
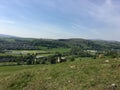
(92, 19)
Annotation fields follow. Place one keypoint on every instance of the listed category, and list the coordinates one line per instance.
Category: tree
(30, 59)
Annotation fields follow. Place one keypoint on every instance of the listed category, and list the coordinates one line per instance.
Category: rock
(112, 87)
(73, 66)
(107, 61)
(69, 81)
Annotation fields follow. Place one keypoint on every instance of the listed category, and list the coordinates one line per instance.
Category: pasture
(82, 74)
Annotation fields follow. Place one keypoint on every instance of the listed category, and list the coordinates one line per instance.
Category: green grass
(61, 50)
(82, 74)
(51, 51)
(9, 54)
(8, 63)
(27, 51)
(41, 52)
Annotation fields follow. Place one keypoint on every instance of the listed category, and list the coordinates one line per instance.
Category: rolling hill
(16, 43)
(82, 74)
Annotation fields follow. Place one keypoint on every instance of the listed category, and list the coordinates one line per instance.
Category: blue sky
(91, 19)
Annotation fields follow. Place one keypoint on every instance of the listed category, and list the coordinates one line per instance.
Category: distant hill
(15, 43)
(7, 36)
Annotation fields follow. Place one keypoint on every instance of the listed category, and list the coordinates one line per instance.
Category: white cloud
(107, 12)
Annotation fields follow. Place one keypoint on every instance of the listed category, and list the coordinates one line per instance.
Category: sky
(89, 19)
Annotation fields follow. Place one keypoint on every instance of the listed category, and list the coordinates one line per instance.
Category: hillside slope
(82, 74)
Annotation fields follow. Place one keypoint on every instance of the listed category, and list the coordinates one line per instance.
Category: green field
(41, 52)
(82, 74)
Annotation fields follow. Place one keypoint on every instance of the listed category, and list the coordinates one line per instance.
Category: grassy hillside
(82, 74)
(43, 44)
